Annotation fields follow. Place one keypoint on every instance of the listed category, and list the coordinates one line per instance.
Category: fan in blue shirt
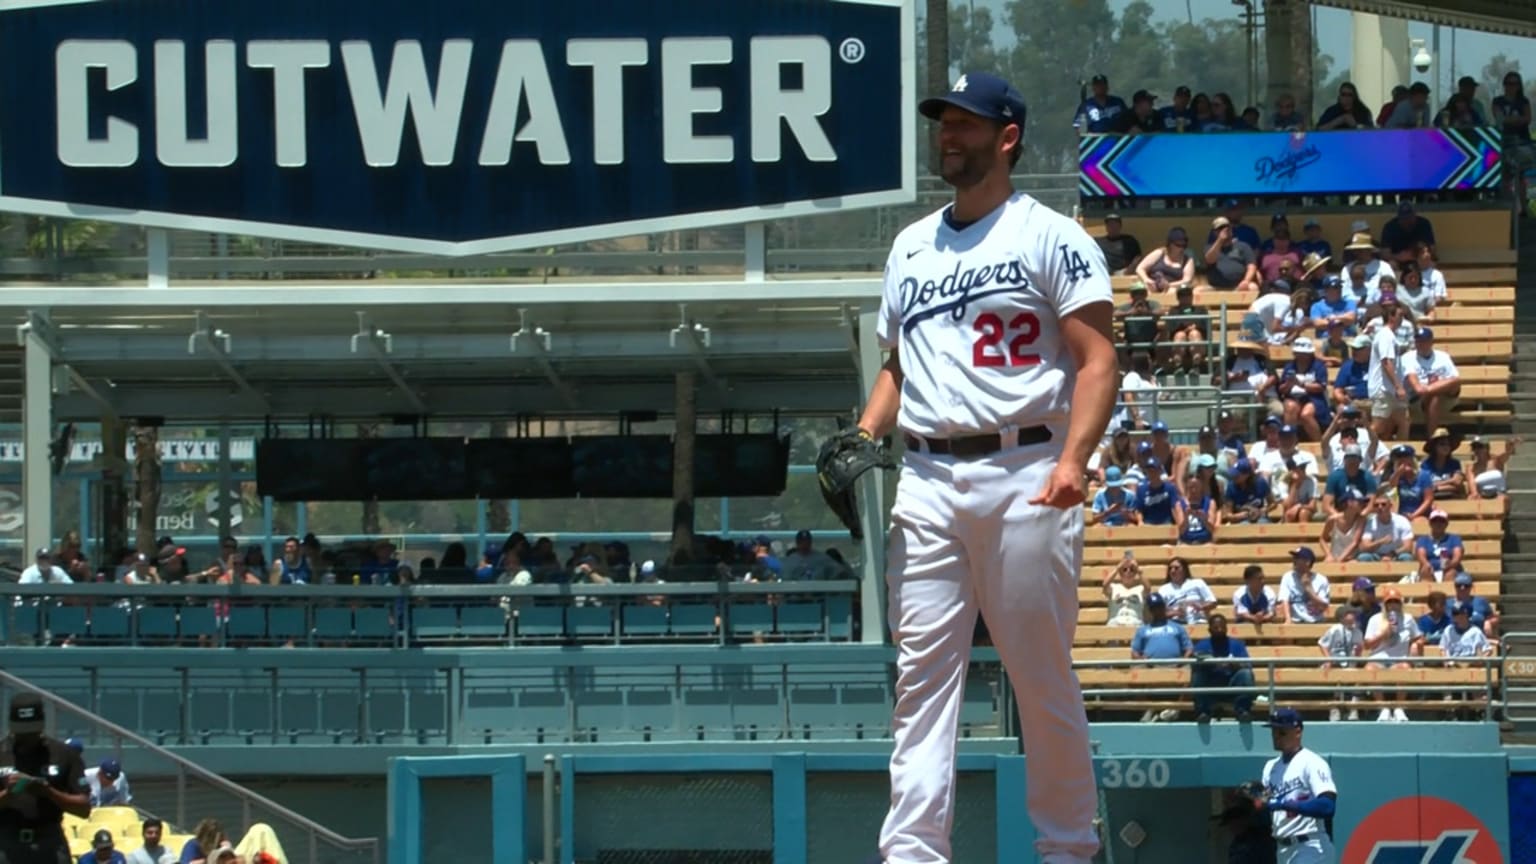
(1415, 485)
(1099, 113)
(1353, 377)
(1156, 497)
(1161, 639)
(1113, 493)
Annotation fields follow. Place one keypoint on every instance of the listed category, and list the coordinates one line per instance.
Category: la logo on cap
(961, 85)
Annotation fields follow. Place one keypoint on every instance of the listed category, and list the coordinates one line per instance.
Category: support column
(684, 438)
(224, 496)
(1380, 59)
(36, 434)
(873, 498)
(114, 487)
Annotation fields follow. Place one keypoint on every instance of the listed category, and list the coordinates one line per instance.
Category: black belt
(975, 446)
(42, 835)
(1292, 841)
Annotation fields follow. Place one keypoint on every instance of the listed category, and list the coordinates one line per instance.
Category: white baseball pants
(1318, 850)
(964, 540)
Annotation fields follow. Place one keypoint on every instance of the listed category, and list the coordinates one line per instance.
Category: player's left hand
(1064, 490)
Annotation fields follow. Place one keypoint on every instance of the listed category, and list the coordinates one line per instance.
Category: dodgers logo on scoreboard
(1422, 830)
(455, 126)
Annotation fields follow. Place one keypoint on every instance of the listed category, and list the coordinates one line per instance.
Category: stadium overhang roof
(1509, 17)
(448, 349)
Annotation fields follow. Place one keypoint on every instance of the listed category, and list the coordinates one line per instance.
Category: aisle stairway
(1519, 577)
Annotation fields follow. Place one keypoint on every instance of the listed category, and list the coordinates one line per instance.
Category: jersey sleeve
(1320, 777)
(888, 328)
(1071, 267)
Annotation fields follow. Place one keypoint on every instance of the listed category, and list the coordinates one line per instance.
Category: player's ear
(1010, 139)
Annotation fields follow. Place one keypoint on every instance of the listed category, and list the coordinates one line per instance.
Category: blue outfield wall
(1396, 803)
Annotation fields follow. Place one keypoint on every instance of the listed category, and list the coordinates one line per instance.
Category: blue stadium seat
(749, 618)
(434, 623)
(156, 622)
(66, 621)
(287, 622)
(109, 622)
(333, 624)
(839, 617)
(26, 620)
(246, 622)
(198, 621)
(483, 622)
(590, 622)
(372, 623)
(644, 621)
(693, 619)
(541, 622)
(799, 619)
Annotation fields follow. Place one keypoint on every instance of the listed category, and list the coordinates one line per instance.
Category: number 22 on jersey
(1000, 345)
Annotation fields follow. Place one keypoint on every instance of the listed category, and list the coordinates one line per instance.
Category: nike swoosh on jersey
(913, 253)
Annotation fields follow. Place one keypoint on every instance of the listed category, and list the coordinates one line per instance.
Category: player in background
(1001, 380)
(1299, 795)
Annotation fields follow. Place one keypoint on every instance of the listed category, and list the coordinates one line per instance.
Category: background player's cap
(980, 93)
(1205, 460)
(1352, 451)
(102, 839)
(1220, 222)
(1207, 432)
(1467, 81)
(1143, 448)
(1177, 235)
(1138, 287)
(1159, 426)
(1181, 90)
(111, 769)
(1364, 583)
(1402, 450)
(1284, 718)
(1350, 410)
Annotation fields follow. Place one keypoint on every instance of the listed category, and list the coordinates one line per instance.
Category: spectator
(1347, 112)
(1141, 118)
(1342, 643)
(1249, 498)
(1099, 113)
(1512, 112)
(1433, 622)
(1138, 394)
(1268, 443)
(1118, 453)
(1419, 300)
(1467, 88)
(1122, 251)
(1399, 94)
(1387, 536)
(260, 846)
(1248, 375)
(1169, 265)
(1125, 590)
(1232, 433)
(384, 568)
(1358, 289)
(1315, 250)
(1304, 387)
(1440, 552)
(151, 851)
(1286, 118)
(1156, 499)
(1483, 613)
(1351, 386)
(1160, 639)
(1445, 472)
(1463, 639)
(43, 570)
(1430, 275)
(1180, 116)
(109, 787)
(1175, 458)
(1209, 672)
(1458, 113)
(1140, 320)
(103, 850)
(1350, 478)
(293, 568)
(1279, 315)
(1334, 308)
(1391, 638)
(1196, 514)
(1274, 463)
(1362, 599)
(1346, 432)
(1224, 116)
(1112, 505)
(510, 569)
(206, 837)
(1254, 603)
(1189, 598)
(1303, 591)
(1487, 469)
(1334, 348)
(1201, 105)
(1230, 263)
(1300, 492)
(1342, 530)
(140, 571)
(804, 563)
(1389, 395)
(1189, 329)
(1278, 250)
(1430, 378)
(1376, 316)
(1362, 251)
(1413, 112)
(1414, 485)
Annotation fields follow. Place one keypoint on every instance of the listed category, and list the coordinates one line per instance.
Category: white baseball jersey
(1304, 777)
(1291, 593)
(1383, 347)
(976, 316)
(1463, 643)
(1438, 366)
(1186, 601)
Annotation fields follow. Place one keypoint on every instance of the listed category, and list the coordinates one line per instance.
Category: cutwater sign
(453, 126)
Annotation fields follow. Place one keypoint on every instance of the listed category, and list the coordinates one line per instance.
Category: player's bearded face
(969, 147)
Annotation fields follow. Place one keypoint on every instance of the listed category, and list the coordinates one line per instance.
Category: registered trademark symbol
(852, 50)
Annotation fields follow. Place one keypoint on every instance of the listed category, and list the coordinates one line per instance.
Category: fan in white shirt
(44, 571)
(1387, 535)
(1391, 636)
(1280, 315)
(1431, 376)
(1304, 591)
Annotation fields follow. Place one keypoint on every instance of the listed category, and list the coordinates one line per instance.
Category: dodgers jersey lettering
(976, 316)
(1306, 776)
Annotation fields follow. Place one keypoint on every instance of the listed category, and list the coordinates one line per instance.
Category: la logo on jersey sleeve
(1074, 268)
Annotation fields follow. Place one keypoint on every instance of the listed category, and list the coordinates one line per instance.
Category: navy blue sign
(454, 126)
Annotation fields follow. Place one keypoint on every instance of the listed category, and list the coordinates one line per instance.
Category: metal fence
(181, 793)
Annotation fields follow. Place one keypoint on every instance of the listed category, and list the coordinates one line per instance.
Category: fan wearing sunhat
(1445, 471)
(1362, 249)
(41, 779)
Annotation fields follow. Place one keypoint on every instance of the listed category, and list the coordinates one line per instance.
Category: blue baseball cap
(1159, 426)
(983, 94)
(1157, 600)
(1284, 718)
(111, 768)
(1153, 463)
(1242, 466)
(1304, 552)
(75, 744)
(1424, 333)
(1273, 420)
(1112, 478)
(1333, 282)
(1143, 448)
(1461, 607)
(1287, 429)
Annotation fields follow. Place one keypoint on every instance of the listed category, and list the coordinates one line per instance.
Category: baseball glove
(845, 458)
(1242, 802)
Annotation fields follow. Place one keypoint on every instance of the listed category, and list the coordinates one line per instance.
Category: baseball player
(1299, 795)
(1001, 380)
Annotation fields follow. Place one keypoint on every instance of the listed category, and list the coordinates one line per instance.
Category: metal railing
(180, 792)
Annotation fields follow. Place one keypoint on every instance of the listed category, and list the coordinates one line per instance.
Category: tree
(970, 38)
(146, 480)
(1498, 66)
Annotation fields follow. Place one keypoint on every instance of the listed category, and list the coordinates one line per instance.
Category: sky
(1471, 52)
